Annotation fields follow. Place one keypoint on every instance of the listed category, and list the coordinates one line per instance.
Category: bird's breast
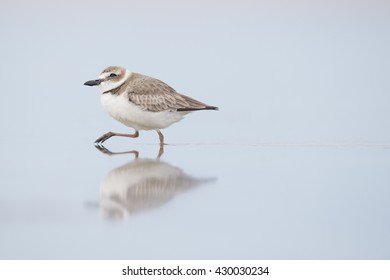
(123, 110)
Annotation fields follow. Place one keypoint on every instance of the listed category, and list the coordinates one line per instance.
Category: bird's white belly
(120, 108)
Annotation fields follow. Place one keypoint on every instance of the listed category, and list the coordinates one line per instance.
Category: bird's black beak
(93, 82)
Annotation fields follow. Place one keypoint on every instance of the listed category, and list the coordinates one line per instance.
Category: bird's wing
(154, 95)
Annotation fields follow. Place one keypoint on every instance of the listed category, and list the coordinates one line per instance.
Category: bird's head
(110, 78)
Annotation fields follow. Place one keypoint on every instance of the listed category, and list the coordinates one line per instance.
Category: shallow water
(197, 201)
(295, 165)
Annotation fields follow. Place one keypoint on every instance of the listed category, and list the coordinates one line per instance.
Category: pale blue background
(299, 148)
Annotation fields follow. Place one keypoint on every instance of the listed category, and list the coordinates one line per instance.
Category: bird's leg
(161, 136)
(109, 134)
(104, 137)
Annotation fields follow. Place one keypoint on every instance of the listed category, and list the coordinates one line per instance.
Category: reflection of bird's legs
(109, 134)
(161, 137)
(106, 151)
(161, 151)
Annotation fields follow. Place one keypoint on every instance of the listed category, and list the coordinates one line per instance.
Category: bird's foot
(104, 137)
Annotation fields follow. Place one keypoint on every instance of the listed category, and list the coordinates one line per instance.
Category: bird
(141, 102)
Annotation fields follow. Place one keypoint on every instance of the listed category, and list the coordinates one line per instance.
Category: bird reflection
(142, 184)
(106, 151)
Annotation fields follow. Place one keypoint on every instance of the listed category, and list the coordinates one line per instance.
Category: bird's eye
(112, 75)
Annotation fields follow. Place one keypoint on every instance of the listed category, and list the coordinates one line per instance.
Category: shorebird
(141, 102)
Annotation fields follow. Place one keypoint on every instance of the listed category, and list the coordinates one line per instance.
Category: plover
(141, 102)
